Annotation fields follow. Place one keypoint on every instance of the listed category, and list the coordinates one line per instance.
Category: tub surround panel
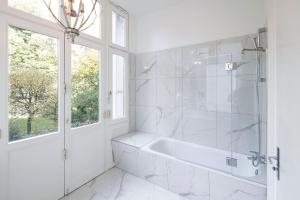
(187, 180)
(226, 188)
(136, 139)
(186, 93)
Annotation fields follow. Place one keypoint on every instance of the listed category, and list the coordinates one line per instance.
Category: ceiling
(142, 7)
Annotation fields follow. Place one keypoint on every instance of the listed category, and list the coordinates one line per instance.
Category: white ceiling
(142, 7)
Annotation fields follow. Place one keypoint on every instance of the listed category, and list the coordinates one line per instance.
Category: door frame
(272, 96)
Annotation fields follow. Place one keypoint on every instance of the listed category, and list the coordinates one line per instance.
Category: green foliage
(40, 125)
(32, 77)
(85, 88)
(33, 84)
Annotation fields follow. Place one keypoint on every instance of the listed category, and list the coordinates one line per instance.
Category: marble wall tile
(224, 92)
(221, 61)
(235, 45)
(199, 127)
(224, 131)
(244, 97)
(168, 92)
(145, 92)
(146, 65)
(199, 60)
(185, 93)
(246, 67)
(146, 119)
(200, 93)
(169, 63)
(244, 133)
(222, 187)
(168, 122)
(238, 133)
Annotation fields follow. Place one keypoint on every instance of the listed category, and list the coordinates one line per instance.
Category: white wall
(196, 21)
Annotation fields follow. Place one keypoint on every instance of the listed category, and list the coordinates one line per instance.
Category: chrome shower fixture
(229, 66)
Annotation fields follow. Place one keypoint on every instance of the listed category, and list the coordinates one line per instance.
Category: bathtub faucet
(257, 159)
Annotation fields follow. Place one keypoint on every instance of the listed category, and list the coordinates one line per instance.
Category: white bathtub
(205, 156)
(195, 172)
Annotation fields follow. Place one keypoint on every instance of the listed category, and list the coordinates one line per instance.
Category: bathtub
(224, 161)
(192, 171)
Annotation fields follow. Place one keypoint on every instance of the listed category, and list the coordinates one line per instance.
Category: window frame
(120, 11)
(125, 118)
(22, 19)
(46, 31)
(88, 44)
(102, 40)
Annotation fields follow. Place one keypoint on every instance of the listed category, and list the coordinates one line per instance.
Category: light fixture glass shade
(75, 15)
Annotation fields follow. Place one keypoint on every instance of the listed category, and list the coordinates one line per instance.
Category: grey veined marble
(116, 184)
(186, 93)
(190, 182)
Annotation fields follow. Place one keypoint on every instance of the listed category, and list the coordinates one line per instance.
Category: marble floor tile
(116, 184)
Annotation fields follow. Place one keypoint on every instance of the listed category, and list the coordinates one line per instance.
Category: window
(33, 72)
(95, 29)
(118, 85)
(118, 29)
(85, 85)
(35, 7)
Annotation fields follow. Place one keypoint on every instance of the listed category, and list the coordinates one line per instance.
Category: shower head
(257, 48)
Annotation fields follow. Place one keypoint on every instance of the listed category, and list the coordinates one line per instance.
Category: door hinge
(106, 114)
(275, 162)
(65, 154)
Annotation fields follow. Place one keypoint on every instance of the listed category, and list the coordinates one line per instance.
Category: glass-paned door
(32, 112)
(84, 123)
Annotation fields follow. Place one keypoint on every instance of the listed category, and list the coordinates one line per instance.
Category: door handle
(275, 162)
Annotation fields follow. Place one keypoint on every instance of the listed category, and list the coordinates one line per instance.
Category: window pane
(95, 29)
(85, 85)
(118, 29)
(118, 86)
(33, 67)
(35, 7)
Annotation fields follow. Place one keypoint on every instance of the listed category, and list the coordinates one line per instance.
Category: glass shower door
(248, 108)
